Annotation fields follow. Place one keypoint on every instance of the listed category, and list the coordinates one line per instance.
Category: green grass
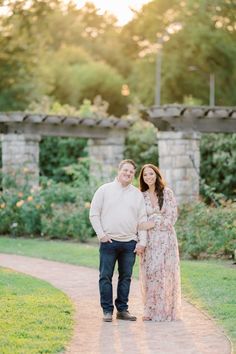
(209, 285)
(35, 317)
(61, 251)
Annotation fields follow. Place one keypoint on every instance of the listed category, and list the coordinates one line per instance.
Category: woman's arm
(146, 225)
(169, 212)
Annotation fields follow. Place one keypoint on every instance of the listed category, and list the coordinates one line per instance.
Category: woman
(159, 267)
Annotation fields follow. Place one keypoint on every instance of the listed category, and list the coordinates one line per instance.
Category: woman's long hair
(159, 184)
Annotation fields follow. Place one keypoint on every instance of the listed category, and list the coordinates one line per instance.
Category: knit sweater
(116, 211)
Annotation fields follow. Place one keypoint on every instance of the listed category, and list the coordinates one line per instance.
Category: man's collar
(120, 185)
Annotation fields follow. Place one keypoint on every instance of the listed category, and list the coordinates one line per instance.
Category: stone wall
(105, 155)
(20, 158)
(179, 161)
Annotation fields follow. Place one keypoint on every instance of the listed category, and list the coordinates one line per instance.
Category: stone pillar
(179, 161)
(105, 155)
(20, 158)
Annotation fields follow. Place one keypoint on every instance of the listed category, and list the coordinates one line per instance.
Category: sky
(119, 8)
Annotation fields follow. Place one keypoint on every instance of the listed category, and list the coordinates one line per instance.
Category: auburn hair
(159, 184)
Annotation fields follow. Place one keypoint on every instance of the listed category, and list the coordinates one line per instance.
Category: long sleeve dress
(159, 266)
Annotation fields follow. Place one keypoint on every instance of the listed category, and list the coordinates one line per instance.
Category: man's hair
(123, 162)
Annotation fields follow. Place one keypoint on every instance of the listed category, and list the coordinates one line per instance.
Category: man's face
(126, 174)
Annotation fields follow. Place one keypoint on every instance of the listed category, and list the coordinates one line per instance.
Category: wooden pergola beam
(56, 125)
(202, 119)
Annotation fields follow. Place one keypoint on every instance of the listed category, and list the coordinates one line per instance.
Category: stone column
(20, 158)
(105, 155)
(179, 161)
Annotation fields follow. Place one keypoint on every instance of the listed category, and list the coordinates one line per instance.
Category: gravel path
(195, 334)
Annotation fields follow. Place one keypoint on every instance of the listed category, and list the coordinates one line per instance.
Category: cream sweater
(117, 211)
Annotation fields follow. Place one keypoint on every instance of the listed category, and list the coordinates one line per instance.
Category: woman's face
(149, 176)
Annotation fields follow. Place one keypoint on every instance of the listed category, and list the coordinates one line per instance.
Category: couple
(127, 222)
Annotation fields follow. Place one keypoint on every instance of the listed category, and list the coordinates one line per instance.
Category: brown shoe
(125, 315)
(107, 317)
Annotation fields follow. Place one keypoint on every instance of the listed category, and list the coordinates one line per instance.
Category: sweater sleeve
(142, 217)
(95, 212)
(169, 211)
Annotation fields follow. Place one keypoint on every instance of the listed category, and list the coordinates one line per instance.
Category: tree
(205, 39)
(19, 53)
(50, 64)
(88, 80)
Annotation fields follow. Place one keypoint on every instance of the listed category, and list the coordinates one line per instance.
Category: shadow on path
(195, 334)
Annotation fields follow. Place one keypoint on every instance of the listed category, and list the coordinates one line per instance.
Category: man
(116, 211)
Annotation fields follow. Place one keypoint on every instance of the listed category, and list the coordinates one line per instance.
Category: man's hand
(105, 239)
(139, 249)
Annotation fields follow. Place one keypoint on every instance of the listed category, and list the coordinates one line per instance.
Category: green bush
(205, 231)
(58, 152)
(218, 163)
(53, 210)
(20, 212)
(68, 222)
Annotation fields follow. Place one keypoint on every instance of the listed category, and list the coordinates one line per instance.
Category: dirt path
(195, 334)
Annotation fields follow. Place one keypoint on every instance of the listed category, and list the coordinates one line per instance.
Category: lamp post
(161, 38)
(211, 83)
(158, 72)
(212, 90)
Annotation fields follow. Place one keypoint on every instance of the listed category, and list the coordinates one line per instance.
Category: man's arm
(95, 215)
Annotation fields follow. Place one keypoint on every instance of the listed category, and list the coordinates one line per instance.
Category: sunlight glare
(121, 8)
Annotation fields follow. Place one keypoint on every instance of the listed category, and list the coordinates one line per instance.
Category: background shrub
(53, 210)
(205, 231)
(58, 152)
(218, 163)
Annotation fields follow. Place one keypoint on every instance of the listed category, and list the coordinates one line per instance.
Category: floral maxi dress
(159, 266)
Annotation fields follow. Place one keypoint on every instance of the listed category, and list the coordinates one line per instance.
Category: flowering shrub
(205, 231)
(53, 210)
(59, 210)
(20, 212)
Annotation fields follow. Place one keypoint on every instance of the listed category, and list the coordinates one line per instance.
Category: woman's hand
(147, 225)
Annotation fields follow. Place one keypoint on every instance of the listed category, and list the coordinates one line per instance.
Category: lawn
(35, 317)
(211, 285)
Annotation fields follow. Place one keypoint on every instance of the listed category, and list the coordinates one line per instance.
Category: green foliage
(187, 34)
(206, 231)
(142, 79)
(70, 221)
(88, 81)
(20, 81)
(67, 206)
(20, 210)
(35, 317)
(83, 45)
(67, 210)
(141, 144)
(218, 163)
(54, 210)
(97, 56)
(57, 153)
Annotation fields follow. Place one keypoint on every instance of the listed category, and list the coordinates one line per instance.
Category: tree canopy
(50, 47)
(53, 49)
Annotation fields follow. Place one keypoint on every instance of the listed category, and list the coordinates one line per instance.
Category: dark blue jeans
(123, 253)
